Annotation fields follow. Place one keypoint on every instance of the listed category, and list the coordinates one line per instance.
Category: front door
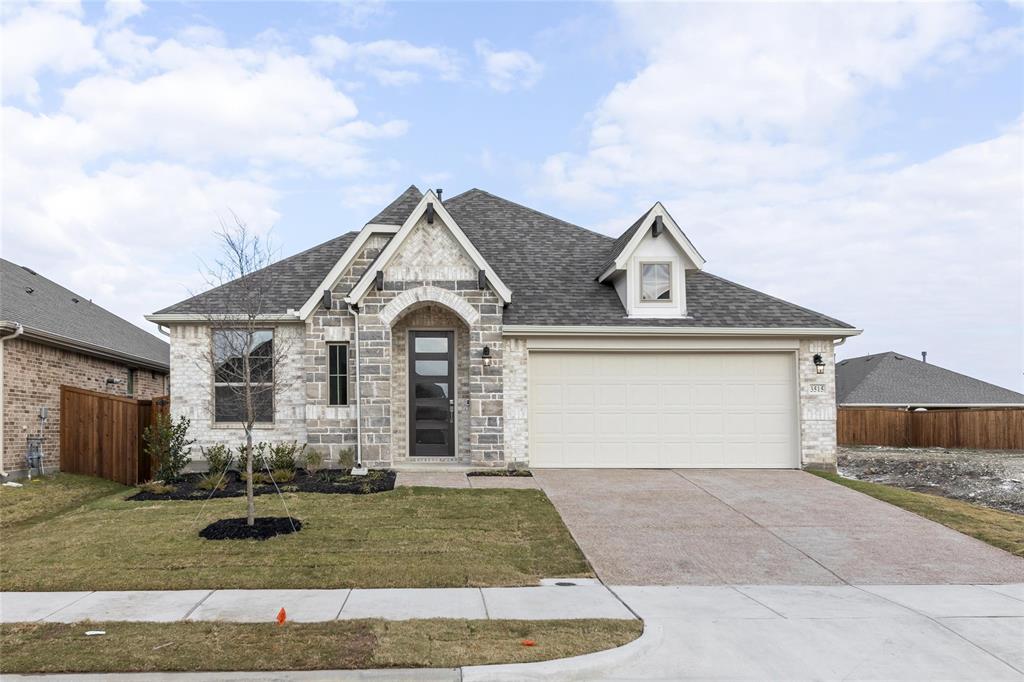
(431, 394)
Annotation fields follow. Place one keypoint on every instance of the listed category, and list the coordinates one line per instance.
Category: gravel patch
(994, 478)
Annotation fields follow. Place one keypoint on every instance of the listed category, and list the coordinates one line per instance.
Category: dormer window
(656, 282)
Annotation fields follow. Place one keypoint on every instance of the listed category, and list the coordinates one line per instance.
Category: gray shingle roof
(894, 379)
(550, 266)
(620, 244)
(288, 283)
(398, 210)
(61, 315)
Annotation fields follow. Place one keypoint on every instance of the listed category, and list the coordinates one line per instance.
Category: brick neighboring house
(51, 336)
(476, 332)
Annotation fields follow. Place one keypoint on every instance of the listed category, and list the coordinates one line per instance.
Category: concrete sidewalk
(584, 599)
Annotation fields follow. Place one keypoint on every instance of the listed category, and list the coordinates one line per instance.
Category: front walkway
(756, 527)
(458, 479)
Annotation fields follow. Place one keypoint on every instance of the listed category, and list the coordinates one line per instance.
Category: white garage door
(662, 410)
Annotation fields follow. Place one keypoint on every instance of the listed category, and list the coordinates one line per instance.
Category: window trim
(228, 423)
(671, 282)
(331, 376)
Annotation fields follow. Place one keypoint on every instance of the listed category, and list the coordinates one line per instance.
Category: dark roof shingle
(56, 311)
(398, 210)
(894, 379)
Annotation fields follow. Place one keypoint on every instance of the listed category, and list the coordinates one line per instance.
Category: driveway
(764, 527)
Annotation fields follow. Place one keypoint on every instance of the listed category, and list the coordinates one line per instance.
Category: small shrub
(212, 481)
(259, 457)
(219, 458)
(258, 477)
(157, 487)
(167, 445)
(282, 475)
(347, 458)
(314, 461)
(284, 456)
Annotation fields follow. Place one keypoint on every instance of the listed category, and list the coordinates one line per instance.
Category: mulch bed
(501, 472)
(263, 528)
(337, 481)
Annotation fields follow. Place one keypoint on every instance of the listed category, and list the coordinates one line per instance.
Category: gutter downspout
(18, 331)
(358, 469)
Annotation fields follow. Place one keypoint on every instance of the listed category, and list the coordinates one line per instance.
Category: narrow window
(131, 382)
(231, 348)
(337, 373)
(656, 282)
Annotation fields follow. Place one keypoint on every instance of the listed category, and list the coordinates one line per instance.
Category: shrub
(283, 456)
(167, 445)
(212, 481)
(219, 458)
(282, 475)
(259, 457)
(157, 487)
(258, 477)
(347, 458)
(314, 461)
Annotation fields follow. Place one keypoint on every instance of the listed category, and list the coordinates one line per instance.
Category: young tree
(246, 352)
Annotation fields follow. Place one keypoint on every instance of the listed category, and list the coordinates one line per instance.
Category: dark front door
(431, 394)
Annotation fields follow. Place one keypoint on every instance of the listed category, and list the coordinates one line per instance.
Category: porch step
(433, 467)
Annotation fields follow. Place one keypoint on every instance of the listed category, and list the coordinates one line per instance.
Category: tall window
(337, 373)
(130, 390)
(229, 349)
(656, 282)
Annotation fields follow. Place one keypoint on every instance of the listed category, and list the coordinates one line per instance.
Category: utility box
(34, 454)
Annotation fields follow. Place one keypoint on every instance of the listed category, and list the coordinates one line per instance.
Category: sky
(862, 160)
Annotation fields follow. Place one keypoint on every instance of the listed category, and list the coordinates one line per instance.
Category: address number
(817, 388)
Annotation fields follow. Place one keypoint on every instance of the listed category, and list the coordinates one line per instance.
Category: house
(894, 380)
(490, 334)
(51, 336)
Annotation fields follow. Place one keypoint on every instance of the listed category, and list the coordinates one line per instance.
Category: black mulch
(337, 481)
(501, 472)
(263, 528)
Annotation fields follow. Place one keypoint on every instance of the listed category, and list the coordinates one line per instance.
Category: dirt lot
(994, 478)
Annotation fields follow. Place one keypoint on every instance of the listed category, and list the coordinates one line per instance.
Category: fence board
(996, 429)
(101, 434)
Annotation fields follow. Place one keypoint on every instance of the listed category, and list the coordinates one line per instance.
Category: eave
(621, 330)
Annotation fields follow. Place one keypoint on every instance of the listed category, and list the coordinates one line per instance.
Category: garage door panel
(662, 409)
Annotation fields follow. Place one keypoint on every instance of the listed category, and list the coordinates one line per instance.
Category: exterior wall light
(486, 355)
(819, 364)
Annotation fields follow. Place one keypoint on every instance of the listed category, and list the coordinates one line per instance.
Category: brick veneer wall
(817, 410)
(516, 407)
(33, 374)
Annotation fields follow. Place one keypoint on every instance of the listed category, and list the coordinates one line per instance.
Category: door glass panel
(431, 344)
(432, 368)
(431, 436)
(431, 413)
(432, 390)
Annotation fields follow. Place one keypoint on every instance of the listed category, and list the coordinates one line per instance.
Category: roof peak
(399, 209)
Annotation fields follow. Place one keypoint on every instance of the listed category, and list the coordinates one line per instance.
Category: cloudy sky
(861, 160)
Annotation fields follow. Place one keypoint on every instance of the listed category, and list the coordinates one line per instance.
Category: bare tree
(246, 351)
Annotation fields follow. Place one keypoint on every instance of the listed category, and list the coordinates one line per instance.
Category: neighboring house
(490, 334)
(51, 336)
(894, 380)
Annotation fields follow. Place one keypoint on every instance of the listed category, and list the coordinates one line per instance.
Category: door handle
(451, 410)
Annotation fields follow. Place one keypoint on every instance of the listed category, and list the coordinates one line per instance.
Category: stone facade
(516, 408)
(817, 407)
(33, 374)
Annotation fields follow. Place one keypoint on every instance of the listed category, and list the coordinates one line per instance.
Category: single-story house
(51, 336)
(897, 381)
(478, 332)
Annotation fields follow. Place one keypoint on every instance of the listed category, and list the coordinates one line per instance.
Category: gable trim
(672, 228)
(429, 198)
(331, 280)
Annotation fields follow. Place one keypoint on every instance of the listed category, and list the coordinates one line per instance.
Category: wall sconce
(486, 355)
(819, 364)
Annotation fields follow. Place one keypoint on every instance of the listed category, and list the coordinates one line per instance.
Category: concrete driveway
(763, 527)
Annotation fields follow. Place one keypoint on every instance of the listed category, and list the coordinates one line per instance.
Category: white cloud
(390, 62)
(507, 70)
(120, 11)
(44, 38)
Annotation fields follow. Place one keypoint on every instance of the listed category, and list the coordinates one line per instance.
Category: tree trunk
(250, 500)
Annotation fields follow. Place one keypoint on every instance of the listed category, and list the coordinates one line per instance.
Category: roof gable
(897, 380)
(429, 202)
(629, 240)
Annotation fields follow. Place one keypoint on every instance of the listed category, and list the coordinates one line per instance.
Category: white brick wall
(817, 408)
(516, 408)
(192, 389)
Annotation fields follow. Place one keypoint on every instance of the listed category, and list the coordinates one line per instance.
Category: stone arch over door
(429, 294)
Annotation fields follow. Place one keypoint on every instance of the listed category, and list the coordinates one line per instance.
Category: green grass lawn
(441, 643)
(998, 528)
(409, 537)
(49, 496)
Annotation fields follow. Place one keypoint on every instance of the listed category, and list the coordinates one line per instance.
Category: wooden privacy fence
(1001, 429)
(101, 434)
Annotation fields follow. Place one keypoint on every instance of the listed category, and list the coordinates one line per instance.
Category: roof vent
(74, 300)
(924, 356)
(438, 192)
(29, 270)
(29, 290)
(659, 226)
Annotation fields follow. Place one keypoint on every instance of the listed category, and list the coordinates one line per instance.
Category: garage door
(662, 410)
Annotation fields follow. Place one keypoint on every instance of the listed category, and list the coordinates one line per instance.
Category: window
(337, 373)
(131, 382)
(656, 282)
(230, 348)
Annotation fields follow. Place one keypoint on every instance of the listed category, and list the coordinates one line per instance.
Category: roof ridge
(776, 298)
(531, 210)
(931, 365)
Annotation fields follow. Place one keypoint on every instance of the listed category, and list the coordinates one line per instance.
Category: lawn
(440, 643)
(409, 537)
(49, 496)
(998, 528)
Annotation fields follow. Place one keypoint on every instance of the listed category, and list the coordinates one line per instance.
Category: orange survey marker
(281, 616)
(529, 642)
